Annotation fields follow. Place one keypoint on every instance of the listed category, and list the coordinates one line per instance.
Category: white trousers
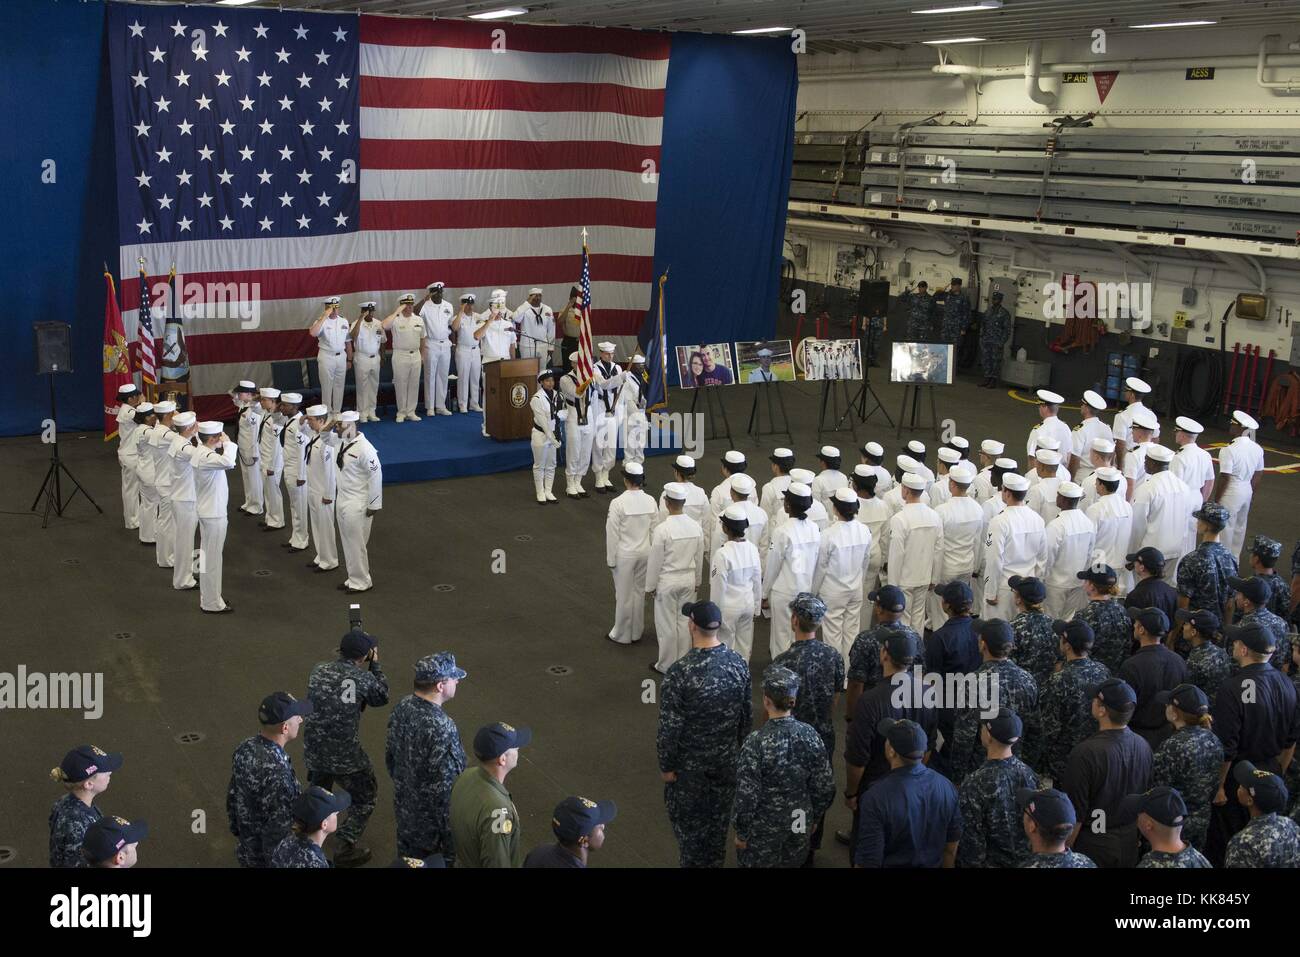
(354, 533)
(406, 380)
(629, 598)
(437, 365)
(148, 514)
(531, 348)
(737, 631)
(273, 498)
(322, 533)
(469, 370)
(543, 453)
(671, 628)
(251, 473)
(333, 372)
(212, 542)
(1234, 534)
(915, 610)
(164, 535)
(185, 519)
(842, 622)
(780, 634)
(130, 496)
(604, 443)
(366, 370)
(637, 428)
(1063, 603)
(298, 516)
(577, 446)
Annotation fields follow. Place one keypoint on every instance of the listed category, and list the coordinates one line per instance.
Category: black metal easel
(52, 487)
(709, 400)
(912, 392)
(832, 391)
(764, 390)
(859, 401)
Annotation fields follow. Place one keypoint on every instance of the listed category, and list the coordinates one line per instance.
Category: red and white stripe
(479, 168)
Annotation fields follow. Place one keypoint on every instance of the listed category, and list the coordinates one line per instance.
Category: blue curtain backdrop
(727, 146)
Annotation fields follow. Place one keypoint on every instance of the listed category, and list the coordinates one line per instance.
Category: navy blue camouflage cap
(996, 634)
(888, 597)
(780, 683)
(1029, 588)
(1202, 619)
(1255, 637)
(1255, 589)
(906, 737)
(705, 614)
(433, 860)
(315, 804)
(1048, 807)
(1114, 693)
(576, 817)
(278, 707)
(493, 740)
(1185, 697)
(86, 760)
(1006, 726)
(1265, 788)
(1164, 804)
(1264, 547)
(955, 593)
(1212, 513)
(1075, 633)
(356, 644)
(808, 607)
(105, 837)
(439, 667)
(1154, 620)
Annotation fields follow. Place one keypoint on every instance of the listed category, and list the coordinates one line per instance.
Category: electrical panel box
(904, 269)
(1189, 296)
(1294, 361)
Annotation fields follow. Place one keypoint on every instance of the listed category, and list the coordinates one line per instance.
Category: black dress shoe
(342, 586)
(292, 549)
(313, 566)
(189, 587)
(323, 570)
(148, 544)
(225, 611)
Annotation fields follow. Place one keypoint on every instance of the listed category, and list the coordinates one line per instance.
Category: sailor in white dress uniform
(437, 315)
(334, 353)
(627, 550)
(545, 406)
(368, 337)
(360, 497)
(210, 461)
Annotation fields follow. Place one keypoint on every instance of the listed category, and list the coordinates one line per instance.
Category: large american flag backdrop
(280, 157)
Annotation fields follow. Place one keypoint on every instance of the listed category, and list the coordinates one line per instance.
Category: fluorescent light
(234, 3)
(965, 8)
(764, 30)
(936, 43)
(1179, 23)
(498, 14)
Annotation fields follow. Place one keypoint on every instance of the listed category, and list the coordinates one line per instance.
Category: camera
(354, 618)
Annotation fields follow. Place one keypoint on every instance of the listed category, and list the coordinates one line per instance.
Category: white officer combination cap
(1047, 397)
(1069, 490)
(734, 458)
(951, 456)
(1160, 453)
(1190, 426)
(163, 408)
(210, 428)
(633, 468)
(1015, 482)
(963, 473)
(318, 411)
(292, 398)
(605, 346)
(1108, 474)
(128, 389)
(469, 297)
(1104, 446)
(1145, 419)
(535, 291)
(370, 304)
(1244, 420)
(801, 476)
(1137, 385)
(498, 295)
(407, 297)
(1005, 463)
(829, 452)
(673, 490)
(685, 462)
(958, 442)
(1047, 442)
(269, 392)
(1048, 456)
(437, 285)
(916, 448)
(184, 419)
(913, 481)
(1095, 400)
(742, 483)
(351, 415)
(874, 448)
(332, 300)
(991, 447)
(735, 513)
(845, 495)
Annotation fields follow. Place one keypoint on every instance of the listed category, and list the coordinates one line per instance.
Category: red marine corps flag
(117, 371)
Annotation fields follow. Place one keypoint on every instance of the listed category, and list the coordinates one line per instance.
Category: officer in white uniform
(607, 378)
(1042, 493)
(244, 397)
(407, 330)
(1071, 538)
(961, 542)
(1014, 545)
(1101, 455)
(1162, 508)
(817, 513)
(185, 518)
(136, 451)
(496, 338)
(674, 569)
(772, 499)
(1142, 427)
(271, 458)
(322, 487)
(129, 398)
(210, 461)
(1049, 404)
(875, 514)
(939, 491)
(545, 407)
(159, 439)
(367, 356)
(791, 563)
(1241, 464)
(697, 501)
(437, 315)
(579, 430)
(536, 324)
(1192, 464)
(736, 581)
(293, 441)
(915, 532)
(873, 456)
(334, 353)
(469, 358)
(1091, 427)
(843, 555)
(631, 412)
(830, 478)
(1134, 390)
(1112, 516)
(360, 497)
(990, 451)
(627, 550)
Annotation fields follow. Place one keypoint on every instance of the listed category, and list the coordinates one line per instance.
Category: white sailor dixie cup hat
(210, 428)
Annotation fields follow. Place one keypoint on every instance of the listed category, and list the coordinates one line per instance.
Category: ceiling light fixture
(965, 7)
(763, 30)
(1180, 23)
(936, 43)
(498, 14)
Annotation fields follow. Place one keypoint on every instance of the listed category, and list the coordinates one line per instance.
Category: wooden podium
(510, 383)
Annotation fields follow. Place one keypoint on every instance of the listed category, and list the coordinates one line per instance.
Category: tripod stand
(52, 487)
(859, 401)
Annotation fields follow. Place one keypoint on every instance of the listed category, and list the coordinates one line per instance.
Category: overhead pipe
(1033, 70)
(860, 234)
(1011, 71)
(1288, 85)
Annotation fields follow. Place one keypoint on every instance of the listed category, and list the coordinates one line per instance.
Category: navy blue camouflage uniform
(1189, 761)
(1188, 857)
(956, 317)
(1203, 577)
(1068, 858)
(332, 752)
(1017, 691)
(424, 757)
(995, 330)
(1035, 647)
(993, 834)
(821, 676)
(920, 313)
(1269, 840)
(1275, 626)
(864, 653)
(1066, 711)
(705, 712)
(259, 800)
(69, 818)
(1207, 666)
(298, 850)
(1113, 631)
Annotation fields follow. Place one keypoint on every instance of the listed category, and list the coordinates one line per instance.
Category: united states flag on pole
(145, 333)
(586, 355)
(280, 157)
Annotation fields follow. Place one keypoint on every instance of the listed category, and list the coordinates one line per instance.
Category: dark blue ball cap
(493, 740)
(1114, 693)
(955, 593)
(1153, 559)
(1098, 574)
(576, 817)
(280, 706)
(1048, 807)
(105, 837)
(86, 760)
(1006, 727)
(356, 644)
(1029, 588)
(705, 614)
(1154, 620)
(888, 597)
(1202, 620)
(1255, 589)
(315, 804)
(996, 633)
(906, 737)
(1164, 804)
(1254, 636)
(1077, 634)
(1265, 788)
(1185, 697)
(900, 645)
